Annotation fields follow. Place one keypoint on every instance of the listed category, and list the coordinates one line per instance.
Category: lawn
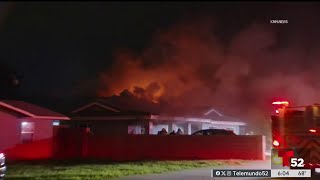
(79, 170)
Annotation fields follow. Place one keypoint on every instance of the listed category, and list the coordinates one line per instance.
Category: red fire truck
(296, 136)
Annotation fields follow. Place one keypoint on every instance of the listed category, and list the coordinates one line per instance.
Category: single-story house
(23, 123)
(119, 115)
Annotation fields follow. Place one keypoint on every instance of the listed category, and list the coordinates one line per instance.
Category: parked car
(214, 132)
(3, 167)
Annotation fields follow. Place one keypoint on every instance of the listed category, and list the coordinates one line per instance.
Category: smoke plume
(188, 65)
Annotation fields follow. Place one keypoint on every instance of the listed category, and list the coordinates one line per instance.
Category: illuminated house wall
(105, 119)
(25, 123)
(10, 130)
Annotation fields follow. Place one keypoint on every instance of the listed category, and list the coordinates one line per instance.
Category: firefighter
(163, 132)
(173, 132)
(179, 131)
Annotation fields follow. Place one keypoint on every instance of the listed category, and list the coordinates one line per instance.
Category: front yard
(79, 170)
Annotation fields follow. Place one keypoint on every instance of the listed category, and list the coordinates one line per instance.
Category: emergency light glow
(277, 111)
(276, 143)
(281, 103)
(313, 130)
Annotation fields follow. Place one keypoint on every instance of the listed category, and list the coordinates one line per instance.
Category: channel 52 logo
(297, 163)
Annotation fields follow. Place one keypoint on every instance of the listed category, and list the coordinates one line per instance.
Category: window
(27, 132)
(56, 123)
(135, 129)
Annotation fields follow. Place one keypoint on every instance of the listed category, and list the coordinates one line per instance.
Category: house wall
(183, 126)
(158, 127)
(9, 130)
(175, 125)
(195, 127)
(11, 139)
(242, 130)
(43, 128)
(41, 146)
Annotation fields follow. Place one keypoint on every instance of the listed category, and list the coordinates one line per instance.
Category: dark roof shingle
(31, 109)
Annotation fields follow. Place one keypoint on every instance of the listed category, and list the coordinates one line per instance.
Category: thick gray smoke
(188, 65)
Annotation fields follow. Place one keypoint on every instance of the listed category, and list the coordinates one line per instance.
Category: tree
(9, 82)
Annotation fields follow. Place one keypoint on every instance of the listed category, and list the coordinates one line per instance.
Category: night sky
(62, 50)
(57, 46)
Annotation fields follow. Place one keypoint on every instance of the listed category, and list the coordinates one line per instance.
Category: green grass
(79, 170)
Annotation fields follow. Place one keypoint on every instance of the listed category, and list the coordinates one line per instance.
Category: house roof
(205, 112)
(131, 104)
(31, 110)
(128, 107)
(161, 118)
(197, 119)
(118, 106)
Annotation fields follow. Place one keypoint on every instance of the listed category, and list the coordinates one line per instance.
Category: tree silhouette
(9, 82)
